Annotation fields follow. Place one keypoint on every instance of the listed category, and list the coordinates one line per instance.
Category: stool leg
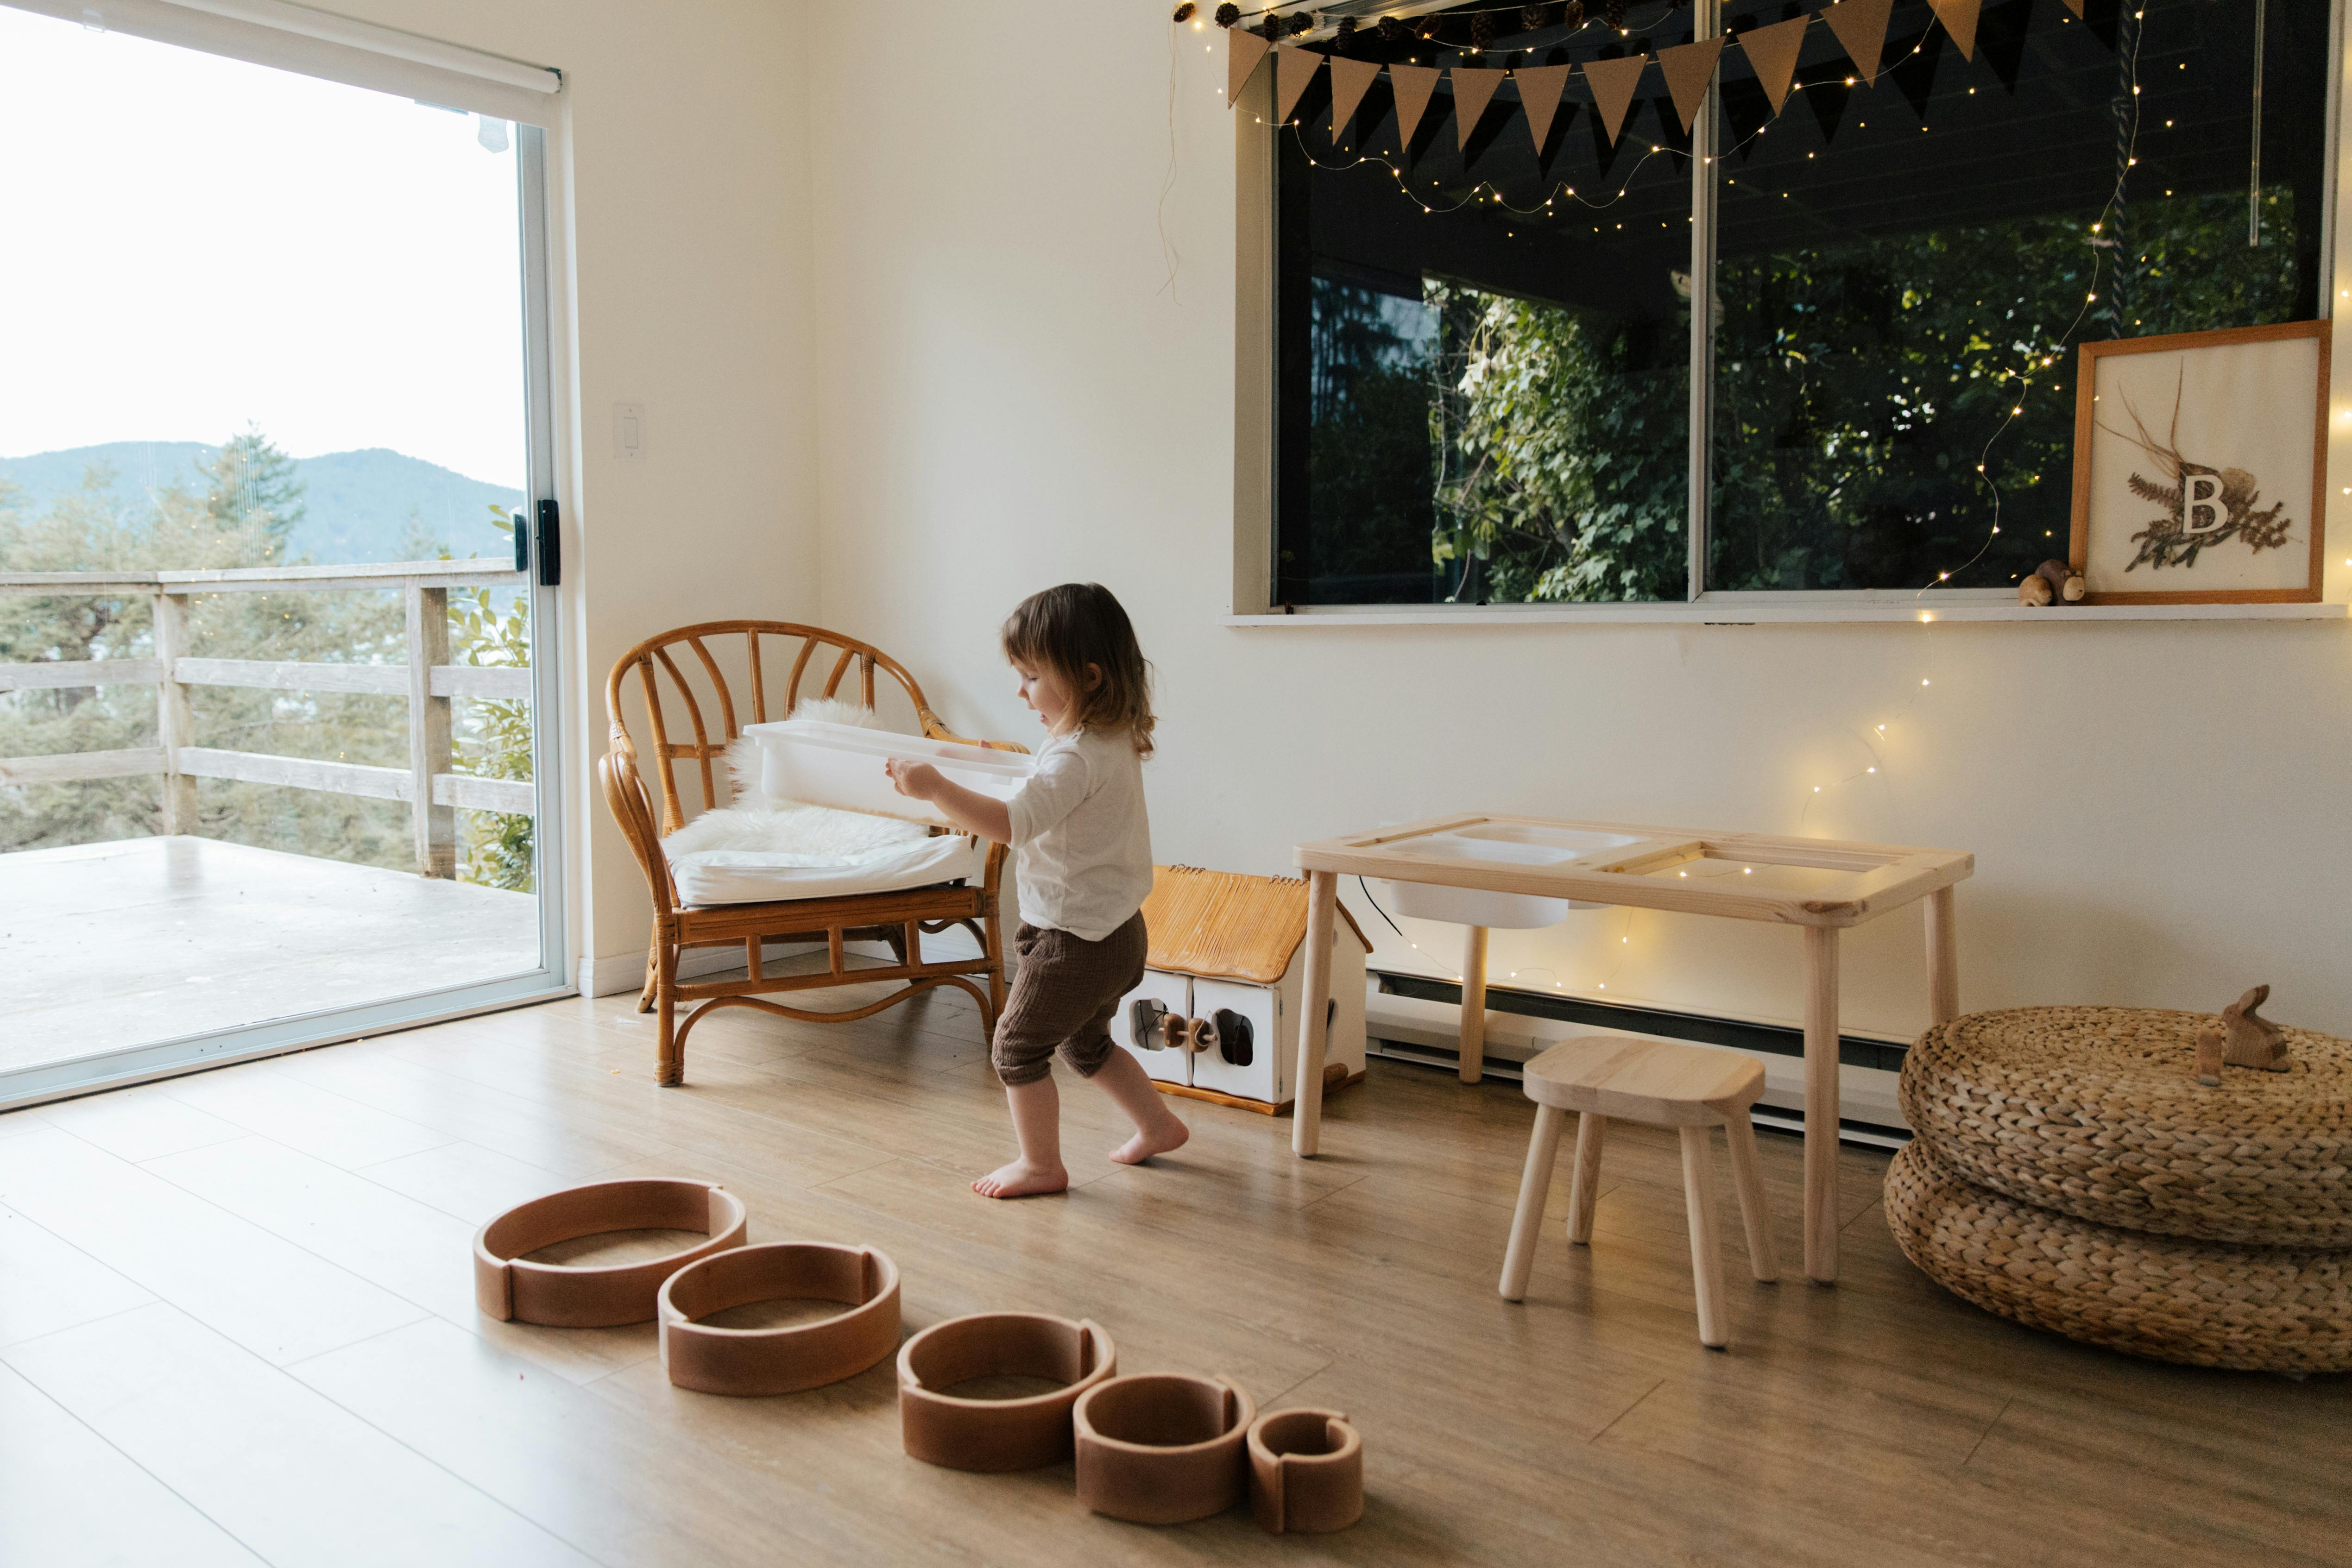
(1747, 1181)
(1535, 1186)
(1584, 1188)
(1707, 1263)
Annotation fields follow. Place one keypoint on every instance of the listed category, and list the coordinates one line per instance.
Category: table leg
(1821, 1103)
(1943, 957)
(1474, 1004)
(1307, 1121)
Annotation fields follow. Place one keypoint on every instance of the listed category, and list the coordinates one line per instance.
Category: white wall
(687, 197)
(1011, 397)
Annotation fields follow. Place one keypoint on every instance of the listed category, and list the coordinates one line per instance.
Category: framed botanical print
(2200, 466)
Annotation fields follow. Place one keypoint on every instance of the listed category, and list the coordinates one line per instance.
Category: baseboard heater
(1414, 1019)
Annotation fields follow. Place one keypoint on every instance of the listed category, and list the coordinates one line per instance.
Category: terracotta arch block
(508, 1288)
(786, 1360)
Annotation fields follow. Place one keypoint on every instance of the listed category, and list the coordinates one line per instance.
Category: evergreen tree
(251, 483)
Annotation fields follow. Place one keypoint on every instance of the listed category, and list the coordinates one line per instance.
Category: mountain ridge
(358, 506)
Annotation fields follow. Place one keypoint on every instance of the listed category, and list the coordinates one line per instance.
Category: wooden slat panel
(276, 676)
(296, 772)
(42, 675)
(513, 796)
(71, 766)
(499, 681)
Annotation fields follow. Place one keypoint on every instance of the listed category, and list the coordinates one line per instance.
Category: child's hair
(1067, 628)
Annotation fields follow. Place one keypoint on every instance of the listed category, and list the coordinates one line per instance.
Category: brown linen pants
(1065, 997)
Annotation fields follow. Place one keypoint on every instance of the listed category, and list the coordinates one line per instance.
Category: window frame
(1257, 274)
(358, 55)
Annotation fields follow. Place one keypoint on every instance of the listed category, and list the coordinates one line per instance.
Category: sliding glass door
(275, 442)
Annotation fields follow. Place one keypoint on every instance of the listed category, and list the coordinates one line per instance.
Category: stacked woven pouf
(2067, 1169)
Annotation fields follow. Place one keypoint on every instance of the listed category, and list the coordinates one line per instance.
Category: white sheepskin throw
(799, 835)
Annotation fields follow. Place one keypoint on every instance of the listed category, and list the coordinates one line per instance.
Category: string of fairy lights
(1876, 736)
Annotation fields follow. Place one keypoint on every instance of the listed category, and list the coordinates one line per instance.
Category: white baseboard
(618, 972)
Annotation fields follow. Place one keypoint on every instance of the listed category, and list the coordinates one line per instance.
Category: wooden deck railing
(427, 680)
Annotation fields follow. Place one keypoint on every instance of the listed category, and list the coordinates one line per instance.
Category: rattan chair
(901, 917)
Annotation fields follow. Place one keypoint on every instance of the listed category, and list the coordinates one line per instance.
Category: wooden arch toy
(1306, 1472)
(958, 1434)
(509, 1287)
(784, 1360)
(1163, 1447)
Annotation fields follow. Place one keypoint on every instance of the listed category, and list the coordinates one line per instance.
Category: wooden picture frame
(2245, 436)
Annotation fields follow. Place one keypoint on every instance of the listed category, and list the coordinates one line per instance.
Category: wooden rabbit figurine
(2245, 1039)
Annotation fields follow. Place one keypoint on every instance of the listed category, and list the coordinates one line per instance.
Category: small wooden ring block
(714, 1360)
(1306, 1472)
(510, 1288)
(1163, 1447)
(997, 1435)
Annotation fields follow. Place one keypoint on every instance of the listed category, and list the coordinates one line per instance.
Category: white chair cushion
(755, 876)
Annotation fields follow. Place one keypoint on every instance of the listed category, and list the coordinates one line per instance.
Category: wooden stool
(1686, 1087)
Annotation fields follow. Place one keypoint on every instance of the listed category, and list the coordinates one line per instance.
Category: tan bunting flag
(1350, 80)
(1473, 92)
(1773, 52)
(1540, 91)
(1613, 83)
(1861, 29)
(1960, 19)
(2075, 7)
(1243, 50)
(1414, 86)
(1294, 70)
(1688, 68)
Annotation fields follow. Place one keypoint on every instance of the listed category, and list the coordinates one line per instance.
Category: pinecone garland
(1301, 21)
(1394, 31)
(1482, 30)
(1572, 13)
(1228, 14)
(1613, 13)
(1533, 17)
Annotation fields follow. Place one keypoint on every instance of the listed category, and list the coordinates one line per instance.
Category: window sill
(1799, 611)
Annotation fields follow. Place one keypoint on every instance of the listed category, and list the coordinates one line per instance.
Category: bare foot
(1169, 1133)
(1021, 1179)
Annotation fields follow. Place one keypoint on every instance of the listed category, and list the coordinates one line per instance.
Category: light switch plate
(629, 430)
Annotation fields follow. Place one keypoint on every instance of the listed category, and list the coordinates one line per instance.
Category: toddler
(1082, 864)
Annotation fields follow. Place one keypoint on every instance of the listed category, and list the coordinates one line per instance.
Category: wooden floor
(237, 1325)
(140, 940)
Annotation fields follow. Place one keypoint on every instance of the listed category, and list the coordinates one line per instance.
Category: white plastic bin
(840, 765)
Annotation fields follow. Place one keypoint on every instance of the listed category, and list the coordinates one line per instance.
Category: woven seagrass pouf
(2251, 1308)
(2095, 1113)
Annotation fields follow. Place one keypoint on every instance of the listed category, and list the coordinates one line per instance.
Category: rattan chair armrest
(631, 809)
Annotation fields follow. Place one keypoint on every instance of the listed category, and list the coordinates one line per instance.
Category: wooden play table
(1820, 884)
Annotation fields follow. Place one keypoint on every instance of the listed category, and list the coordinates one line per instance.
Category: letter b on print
(2201, 503)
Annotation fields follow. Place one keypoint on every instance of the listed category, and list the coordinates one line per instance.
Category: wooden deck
(237, 1325)
(122, 944)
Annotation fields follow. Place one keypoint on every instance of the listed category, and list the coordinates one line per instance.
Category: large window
(1484, 377)
(274, 406)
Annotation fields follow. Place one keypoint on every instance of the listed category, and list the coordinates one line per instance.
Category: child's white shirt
(1082, 844)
